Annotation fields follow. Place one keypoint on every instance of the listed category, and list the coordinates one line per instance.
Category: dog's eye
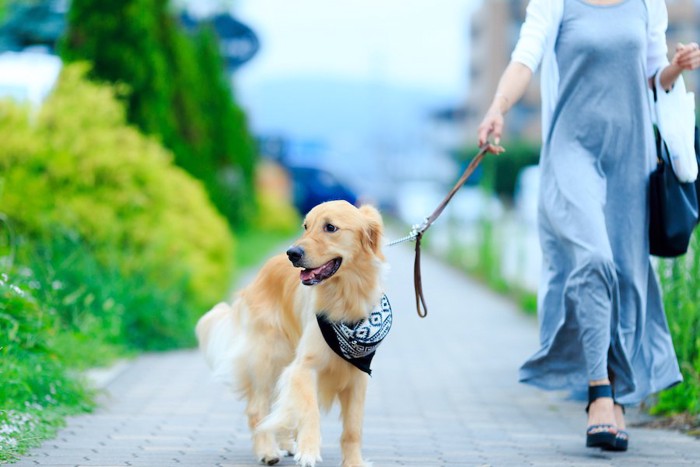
(330, 228)
(305, 227)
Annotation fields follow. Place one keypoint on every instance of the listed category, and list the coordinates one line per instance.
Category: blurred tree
(120, 39)
(29, 23)
(177, 89)
(500, 174)
(3, 9)
(234, 151)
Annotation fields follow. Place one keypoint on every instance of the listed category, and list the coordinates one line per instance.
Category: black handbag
(673, 205)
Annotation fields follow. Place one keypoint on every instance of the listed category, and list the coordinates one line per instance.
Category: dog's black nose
(295, 254)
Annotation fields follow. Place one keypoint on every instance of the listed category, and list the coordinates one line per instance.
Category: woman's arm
(541, 24)
(511, 88)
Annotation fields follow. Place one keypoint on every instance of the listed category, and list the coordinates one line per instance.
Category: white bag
(675, 118)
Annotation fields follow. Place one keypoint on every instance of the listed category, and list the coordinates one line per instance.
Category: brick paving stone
(444, 392)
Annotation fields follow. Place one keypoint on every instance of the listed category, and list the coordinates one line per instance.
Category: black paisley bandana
(356, 343)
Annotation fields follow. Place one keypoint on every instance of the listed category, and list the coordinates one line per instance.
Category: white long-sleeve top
(538, 35)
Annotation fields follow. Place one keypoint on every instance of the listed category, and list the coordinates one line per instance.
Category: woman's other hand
(687, 56)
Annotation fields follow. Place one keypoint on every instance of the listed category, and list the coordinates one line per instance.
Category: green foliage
(233, 150)
(80, 171)
(482, 260)
(499, 173)
(36, 391)
(105, 246)
(276, 215)
(25, 23)
(176, 89)
(680, 283)
(120, 39)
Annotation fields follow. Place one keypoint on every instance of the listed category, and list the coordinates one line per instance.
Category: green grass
(62, 312)
(679, 280)
(483, 263)
(36, 391)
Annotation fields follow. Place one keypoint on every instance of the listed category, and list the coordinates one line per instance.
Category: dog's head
(338, 238)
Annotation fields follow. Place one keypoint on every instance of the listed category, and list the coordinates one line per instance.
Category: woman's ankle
(619, 416)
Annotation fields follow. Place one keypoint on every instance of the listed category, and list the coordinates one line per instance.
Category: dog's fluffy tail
(216, 334)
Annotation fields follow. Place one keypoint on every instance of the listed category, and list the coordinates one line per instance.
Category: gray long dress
(599, 303)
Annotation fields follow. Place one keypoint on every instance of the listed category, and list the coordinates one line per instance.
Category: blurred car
(312, 186)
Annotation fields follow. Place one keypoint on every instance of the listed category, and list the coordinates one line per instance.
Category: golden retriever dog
(293, 342)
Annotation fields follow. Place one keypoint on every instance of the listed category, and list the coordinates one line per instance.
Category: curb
(100, 378)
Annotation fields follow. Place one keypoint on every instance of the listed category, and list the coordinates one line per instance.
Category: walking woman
(602, 323)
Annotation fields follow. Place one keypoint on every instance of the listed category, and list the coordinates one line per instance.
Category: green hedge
(105, 247)
(680, 281)
(75, 172)
(499, 173)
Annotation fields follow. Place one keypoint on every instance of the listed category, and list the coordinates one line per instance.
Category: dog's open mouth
(321, 273)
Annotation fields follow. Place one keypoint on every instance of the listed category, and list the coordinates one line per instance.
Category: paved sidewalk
(444, 393)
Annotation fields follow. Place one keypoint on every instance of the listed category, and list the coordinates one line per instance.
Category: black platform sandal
(622, 438)
(602, 436)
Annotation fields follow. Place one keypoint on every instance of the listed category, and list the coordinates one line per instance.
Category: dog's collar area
(356, 343)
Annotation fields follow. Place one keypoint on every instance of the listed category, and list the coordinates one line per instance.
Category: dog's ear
(374, 229)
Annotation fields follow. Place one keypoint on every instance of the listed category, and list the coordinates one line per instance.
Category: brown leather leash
(418, 231)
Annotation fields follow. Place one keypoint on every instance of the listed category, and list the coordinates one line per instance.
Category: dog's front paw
(359, 463)
(271, 458)
(290, 447)
(307, 459)
(266, 448)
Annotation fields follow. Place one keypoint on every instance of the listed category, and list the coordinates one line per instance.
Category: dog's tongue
(307, 275)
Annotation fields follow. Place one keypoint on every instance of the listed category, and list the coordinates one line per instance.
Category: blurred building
(494, 31)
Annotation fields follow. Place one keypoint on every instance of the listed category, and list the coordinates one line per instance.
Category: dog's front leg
(264, 443)
(296, 408)
(352, 406)
(304, 386)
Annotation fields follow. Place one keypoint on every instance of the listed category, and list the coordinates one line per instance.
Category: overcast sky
(418, 43)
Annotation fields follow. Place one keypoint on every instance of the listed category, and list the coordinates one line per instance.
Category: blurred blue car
(312, 186)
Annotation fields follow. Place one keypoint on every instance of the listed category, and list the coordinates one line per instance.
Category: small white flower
(17, 290)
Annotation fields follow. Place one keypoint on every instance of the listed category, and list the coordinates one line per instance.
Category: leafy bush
(78, 170)
(679, 280)
(276, 215)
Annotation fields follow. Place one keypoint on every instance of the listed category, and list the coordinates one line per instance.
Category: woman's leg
(592, 293)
